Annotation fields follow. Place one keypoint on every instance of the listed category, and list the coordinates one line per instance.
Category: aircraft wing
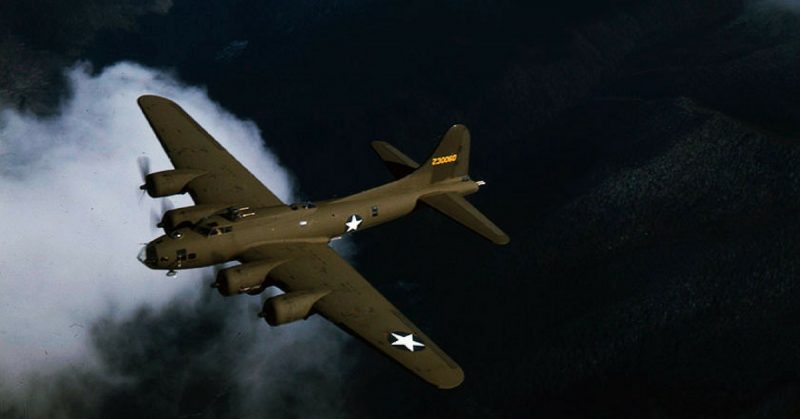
(189, 146)
(358, 308)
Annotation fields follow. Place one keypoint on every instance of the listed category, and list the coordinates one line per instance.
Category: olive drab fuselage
(221, 237)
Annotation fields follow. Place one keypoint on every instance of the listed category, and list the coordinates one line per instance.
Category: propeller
(144, 166)
(155, 217)
(144, 170)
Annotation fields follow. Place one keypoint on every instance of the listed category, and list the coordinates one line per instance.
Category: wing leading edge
(359, 309)
(189, 146)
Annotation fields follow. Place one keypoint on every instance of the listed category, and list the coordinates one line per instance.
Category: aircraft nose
(147, 256)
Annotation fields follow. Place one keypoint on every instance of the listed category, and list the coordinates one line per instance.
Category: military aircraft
(236, 218)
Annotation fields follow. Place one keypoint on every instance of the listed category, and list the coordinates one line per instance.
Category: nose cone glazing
(147, 256)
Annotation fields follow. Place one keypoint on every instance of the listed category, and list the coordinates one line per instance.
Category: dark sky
(643, 157)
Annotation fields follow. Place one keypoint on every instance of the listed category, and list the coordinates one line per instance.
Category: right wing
(358, 308)
(189, 146)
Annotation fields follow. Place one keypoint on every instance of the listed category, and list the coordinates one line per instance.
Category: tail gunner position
(236, 218)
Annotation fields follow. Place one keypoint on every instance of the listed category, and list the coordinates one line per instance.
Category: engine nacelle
(248, 277)
(169, 182)
(292, 306)
(179, 217)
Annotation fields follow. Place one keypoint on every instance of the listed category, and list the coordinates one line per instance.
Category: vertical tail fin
(451, 157)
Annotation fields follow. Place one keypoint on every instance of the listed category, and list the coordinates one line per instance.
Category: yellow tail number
(444, 159)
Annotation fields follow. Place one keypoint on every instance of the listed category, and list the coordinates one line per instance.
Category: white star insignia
(406, 341)
(353, 223)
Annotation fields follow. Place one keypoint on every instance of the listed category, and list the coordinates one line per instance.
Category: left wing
(358, 308)
(189, 146)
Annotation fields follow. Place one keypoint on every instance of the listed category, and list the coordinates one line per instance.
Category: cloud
(78, 308)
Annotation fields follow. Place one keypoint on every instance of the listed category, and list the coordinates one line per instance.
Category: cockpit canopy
(213, 229)
(222, 222)
(303, 205)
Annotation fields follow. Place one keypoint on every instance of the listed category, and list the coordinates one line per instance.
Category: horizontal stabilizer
(398, 163)
(457, 208)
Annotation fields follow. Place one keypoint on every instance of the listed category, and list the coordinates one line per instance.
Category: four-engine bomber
(236, 218)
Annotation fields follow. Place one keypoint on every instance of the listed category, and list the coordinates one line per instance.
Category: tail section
(450, 160)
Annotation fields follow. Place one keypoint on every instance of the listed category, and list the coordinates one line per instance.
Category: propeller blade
(144, 170)
(144, 166)
(166, 205)
(155, 219)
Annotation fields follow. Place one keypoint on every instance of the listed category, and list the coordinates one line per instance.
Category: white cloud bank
(74, 218)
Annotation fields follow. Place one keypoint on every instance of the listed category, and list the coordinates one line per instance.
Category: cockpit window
(304, 205)
(220, 230)
(212, 229)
